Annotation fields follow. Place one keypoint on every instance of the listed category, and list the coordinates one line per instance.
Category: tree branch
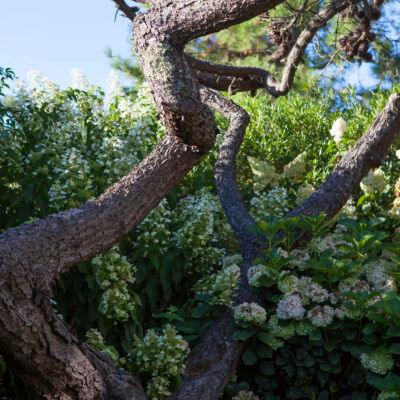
(213, 361)
(130, 12)
(251, 77)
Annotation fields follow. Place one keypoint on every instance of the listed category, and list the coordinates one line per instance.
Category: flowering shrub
(160, 358)
(330, 326)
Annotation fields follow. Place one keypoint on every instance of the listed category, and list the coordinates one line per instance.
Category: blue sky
(55, 36)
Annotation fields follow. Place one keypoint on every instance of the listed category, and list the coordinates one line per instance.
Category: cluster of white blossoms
(321, 315)
(274, 202)
(200, 219)
(295, 169)
(373, 182)
(155, 229)
(95, 340)
(161, 356)
(394, 212)
(378, 362)
(338, 129)
(221, 285)
(278, 331)
(246, 395)
(114, 273)
(251, 313)
(264, 174)
(290, 307)
(288, 284)
(304, 192)
(386, 395)
(379, 275)
(255, 273)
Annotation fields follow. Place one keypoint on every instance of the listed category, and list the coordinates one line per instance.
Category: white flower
(321, 316)
(249, 312)
(290, 307)
(374, 181)
(378, 362)
(338, 129)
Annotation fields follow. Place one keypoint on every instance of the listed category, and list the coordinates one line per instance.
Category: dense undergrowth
(331, 327)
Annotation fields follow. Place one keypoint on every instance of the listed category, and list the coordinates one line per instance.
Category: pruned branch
(129, 12)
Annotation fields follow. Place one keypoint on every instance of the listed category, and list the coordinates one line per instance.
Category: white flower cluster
(290, 307)
(155, 229)
(378, 362)
(321, 315)
(385, 395)
(295, 169)
(304, 192)
(275, 202)
(81, 146)
(201, 219)
(251, 313)
(96, 341)
(264, 174)
(220, 285)
(288, 284)
(394, 212)
(245, 395)
(161, 356)
(255, 273)
(379, 276)
(282, 332)
(338, 129)
(113, 274)
(373, 182)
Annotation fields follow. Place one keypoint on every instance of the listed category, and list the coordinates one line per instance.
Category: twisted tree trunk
(47, 357)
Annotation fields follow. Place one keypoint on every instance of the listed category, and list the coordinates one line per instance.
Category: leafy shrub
(331, 324)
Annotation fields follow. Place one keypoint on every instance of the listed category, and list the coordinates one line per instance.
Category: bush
(331, 326)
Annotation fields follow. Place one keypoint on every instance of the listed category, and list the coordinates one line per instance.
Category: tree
(49, 359)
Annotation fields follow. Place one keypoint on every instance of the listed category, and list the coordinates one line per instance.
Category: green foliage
(178, 270)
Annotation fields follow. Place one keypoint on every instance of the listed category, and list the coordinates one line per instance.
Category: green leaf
(356, 395)
(242, 334)
(390, 382)
(395, 348)
(264, 351)
(267, 368)
(369, 328)
(249, 357)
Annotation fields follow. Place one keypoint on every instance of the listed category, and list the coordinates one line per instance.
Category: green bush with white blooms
(329, 327)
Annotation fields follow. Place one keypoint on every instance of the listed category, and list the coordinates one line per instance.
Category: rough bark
(45, 354)
(47, 357)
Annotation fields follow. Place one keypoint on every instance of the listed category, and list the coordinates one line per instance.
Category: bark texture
(44, 353)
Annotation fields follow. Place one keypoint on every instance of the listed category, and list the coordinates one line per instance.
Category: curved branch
(213, 361)
(369, 152)
(251, 77)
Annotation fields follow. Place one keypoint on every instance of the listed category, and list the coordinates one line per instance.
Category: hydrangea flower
(295, 169)
(321, 315)
(373, 182)
(249, 312)
(288, 284)
(264, 174)
(290, 307)
(283, 332)
(245, 395)
(338, 129)
(304, 192)
(254, 273)
(378, 362)
(272, 203)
